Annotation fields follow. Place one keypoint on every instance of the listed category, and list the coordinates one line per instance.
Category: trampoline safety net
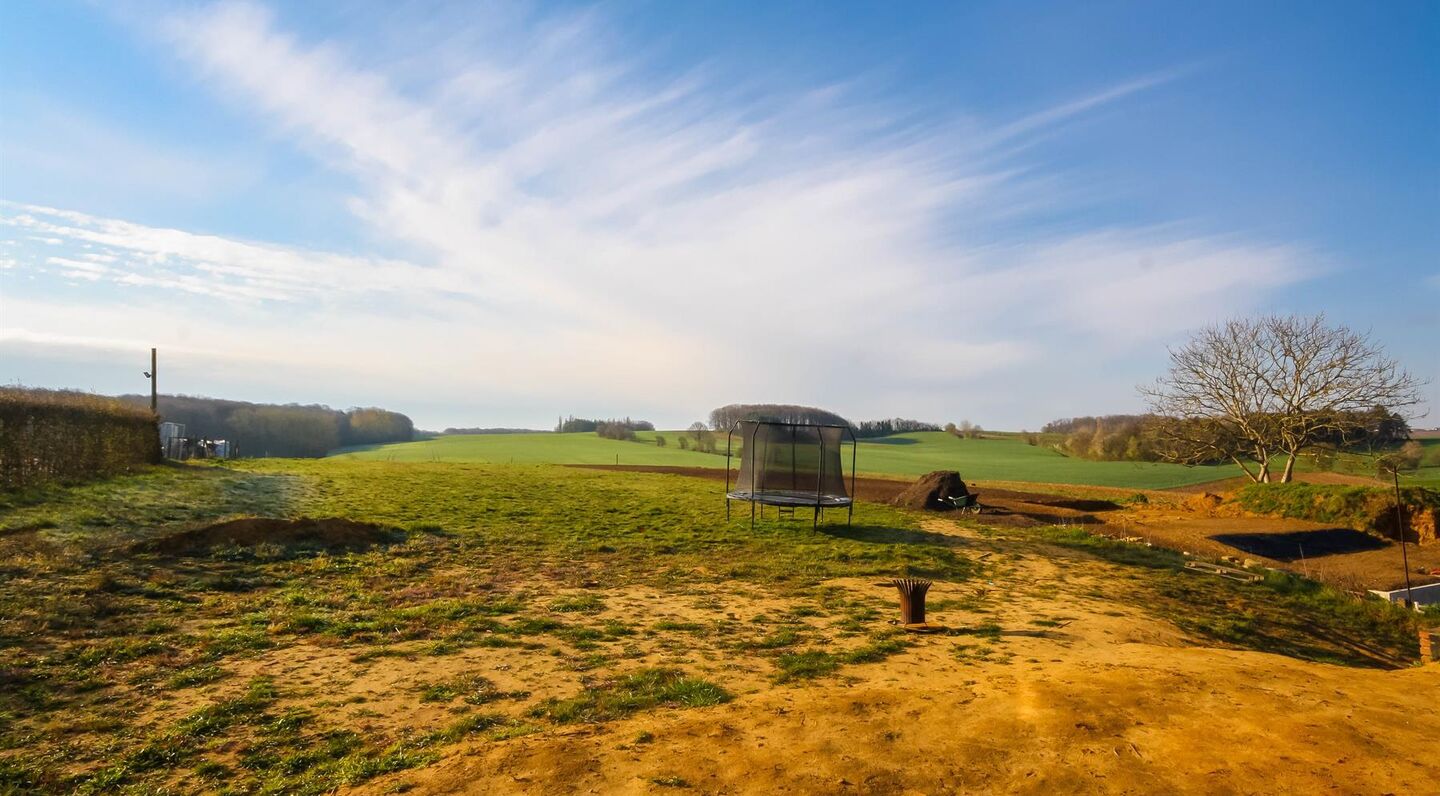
(784, 464)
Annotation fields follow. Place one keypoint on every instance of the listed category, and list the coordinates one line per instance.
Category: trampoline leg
(752, 515)
(819, 512)
(849, 514)
(727, 509)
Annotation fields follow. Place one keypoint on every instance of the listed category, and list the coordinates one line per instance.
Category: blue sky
(491, 215)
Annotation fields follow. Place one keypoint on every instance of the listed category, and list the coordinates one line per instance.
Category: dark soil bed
(330, 533)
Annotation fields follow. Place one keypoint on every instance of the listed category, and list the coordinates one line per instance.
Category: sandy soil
(1110, 701)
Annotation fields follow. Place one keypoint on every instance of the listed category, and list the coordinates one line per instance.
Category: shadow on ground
(1294, 545)
(879, 534)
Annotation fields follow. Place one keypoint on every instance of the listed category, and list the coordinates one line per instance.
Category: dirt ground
(1339, 556)
(1342, 557)
(1073, 694)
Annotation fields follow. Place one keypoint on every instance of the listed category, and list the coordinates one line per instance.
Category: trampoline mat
(780, 497)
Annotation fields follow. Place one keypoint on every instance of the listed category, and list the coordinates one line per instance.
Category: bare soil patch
(331, 533)
(1341, 558)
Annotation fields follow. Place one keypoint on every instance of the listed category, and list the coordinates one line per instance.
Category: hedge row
(63, 435)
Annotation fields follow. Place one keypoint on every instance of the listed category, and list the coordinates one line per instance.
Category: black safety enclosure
(789, 465)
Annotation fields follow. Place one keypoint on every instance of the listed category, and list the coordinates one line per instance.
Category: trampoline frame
(790, 498)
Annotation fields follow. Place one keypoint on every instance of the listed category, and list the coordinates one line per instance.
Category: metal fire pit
(912, 603)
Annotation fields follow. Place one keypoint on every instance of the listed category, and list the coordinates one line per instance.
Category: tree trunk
(1289, 469)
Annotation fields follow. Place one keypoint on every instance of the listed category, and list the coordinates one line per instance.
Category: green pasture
(1001, 458)
(581, 448)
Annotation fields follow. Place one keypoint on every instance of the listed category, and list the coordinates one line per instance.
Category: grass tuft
(642, 690)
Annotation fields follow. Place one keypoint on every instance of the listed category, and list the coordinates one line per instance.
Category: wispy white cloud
(136, 254)
(580, 227)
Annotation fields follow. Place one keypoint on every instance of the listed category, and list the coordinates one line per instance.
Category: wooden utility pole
(1400, 526)
(154, 392)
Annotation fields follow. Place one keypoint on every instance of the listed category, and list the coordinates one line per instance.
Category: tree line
(884, 428)
(723, 418)
(614, 429)
(1150, 438)
(290, 430)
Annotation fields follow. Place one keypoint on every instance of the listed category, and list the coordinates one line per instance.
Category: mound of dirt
(1204, 503)
(330, 533)
(1420, 521)
(932, 492)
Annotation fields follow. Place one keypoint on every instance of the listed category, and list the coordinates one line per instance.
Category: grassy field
(586, 448)
(509, 601)
(1003, 458)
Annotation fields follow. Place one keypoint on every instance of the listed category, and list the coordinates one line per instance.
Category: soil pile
(330, 533)
(933, 492)
(1420, 523)
(1204, 503)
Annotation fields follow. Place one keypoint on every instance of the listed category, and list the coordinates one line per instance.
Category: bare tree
(1255, 390)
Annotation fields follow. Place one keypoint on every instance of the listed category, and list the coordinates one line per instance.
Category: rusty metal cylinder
(912, 599)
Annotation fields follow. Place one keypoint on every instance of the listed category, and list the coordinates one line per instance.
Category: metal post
(1400, 528)
(854, 446)
(819, 475)
(729, 434)
(751, 446)
(154, 391)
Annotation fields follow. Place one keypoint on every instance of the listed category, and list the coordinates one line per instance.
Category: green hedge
(62, 435)
(1363, 508)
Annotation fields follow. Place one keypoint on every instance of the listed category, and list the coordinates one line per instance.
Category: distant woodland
(624, 428)
(1135, 437)
(292, 430)
(726, 416)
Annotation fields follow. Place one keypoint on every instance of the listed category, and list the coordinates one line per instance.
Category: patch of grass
(1363, 508)
(465, 726)
(642, 690)
(809, 664)
(203, 674)
(987, 630)
(473, 688)
(183, 740)
(805, 665)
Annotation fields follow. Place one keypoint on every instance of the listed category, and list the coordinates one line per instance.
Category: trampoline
(789, 466)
